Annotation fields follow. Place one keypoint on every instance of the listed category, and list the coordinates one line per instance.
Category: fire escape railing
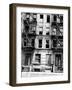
(57, 27)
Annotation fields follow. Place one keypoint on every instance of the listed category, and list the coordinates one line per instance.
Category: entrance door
(27, 59)
(48, 59)
(58, 61)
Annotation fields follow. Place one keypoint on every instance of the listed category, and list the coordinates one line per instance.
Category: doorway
(59, 62)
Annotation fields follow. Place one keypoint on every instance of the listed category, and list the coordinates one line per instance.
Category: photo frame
(39, 44)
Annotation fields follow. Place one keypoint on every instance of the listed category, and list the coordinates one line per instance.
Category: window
(38, 58)
(33, 28)
(41, 16)
(55, 18)
(40, 43)
(54, 31)
(27, 15)
(48, 18)
(61, 18)
(40, 28)
(61, 21)
(40, 32)
(47, 43)
(33, 42)
(34, 18)
(54, 43)
(25, 42)
(34, 15)
(47, 33)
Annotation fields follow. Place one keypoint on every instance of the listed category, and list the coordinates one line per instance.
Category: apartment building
(42, 42)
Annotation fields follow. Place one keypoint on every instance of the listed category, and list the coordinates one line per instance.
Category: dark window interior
(41, 16)
(48, 18)
(40, 43)
(37, 70)
(54, 43)
(40, 32)
(61, 18)
(33, 42)
(25, 42)
(55, 18)
(47, 33)
(47, 43)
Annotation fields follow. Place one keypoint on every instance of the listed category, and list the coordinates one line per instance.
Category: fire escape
(28, 41)
(29, 34)
(57, 44)
(57, 36)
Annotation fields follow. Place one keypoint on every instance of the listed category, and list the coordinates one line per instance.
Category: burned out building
(42, 42)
